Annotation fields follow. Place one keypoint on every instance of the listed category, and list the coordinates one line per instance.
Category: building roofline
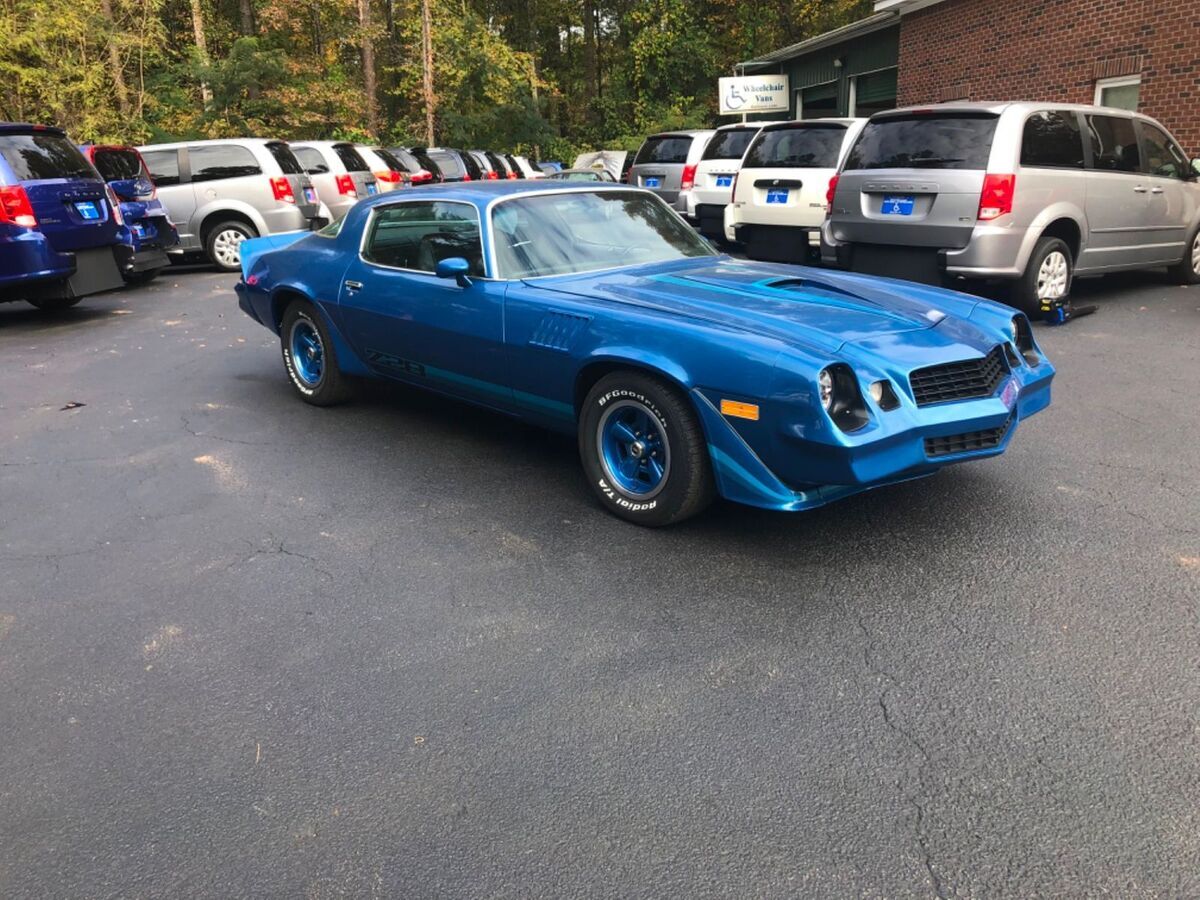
(903, 6)
(876, 22)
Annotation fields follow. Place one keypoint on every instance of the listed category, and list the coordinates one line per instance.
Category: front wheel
(224, 244)
(309, 356)
(643, 450)
(1047, 279)
(1187, 270)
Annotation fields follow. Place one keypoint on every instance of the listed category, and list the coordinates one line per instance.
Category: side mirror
(1196, 166)
(126, 188)
(454, 267)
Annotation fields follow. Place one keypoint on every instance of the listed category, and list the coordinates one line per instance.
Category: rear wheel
(1187, 270)
(643, 450)
(309, 356)
(224, 241)
(1047, 278)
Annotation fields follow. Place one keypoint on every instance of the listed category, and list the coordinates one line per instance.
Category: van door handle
(354, 285)
(1156, 190)
(1139, 189)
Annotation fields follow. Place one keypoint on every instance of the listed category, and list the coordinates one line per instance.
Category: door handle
(1139, 189)
(354, 285)
(1156, 190)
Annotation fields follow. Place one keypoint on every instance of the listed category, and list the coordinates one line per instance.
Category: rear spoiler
(254, 248)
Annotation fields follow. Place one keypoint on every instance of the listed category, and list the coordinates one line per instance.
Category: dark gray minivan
(1030, 193)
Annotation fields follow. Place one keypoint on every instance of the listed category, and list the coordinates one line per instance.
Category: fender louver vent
(558, 331)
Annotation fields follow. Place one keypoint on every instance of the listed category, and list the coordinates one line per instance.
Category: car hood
(794, 304)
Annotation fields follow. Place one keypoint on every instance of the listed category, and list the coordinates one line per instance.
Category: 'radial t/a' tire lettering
(643, 450)
(309, 356)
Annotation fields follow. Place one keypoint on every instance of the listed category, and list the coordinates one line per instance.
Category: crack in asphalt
(187, 426)
(277, 548)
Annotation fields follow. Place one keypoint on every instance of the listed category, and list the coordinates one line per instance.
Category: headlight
(841, 397)
(825, 381)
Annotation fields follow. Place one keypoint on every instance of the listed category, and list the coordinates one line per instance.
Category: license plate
(88, 210)
(897, 206)
(652, 182)
(372, 188)
(310, 195)
(777, 195)
(724, 181)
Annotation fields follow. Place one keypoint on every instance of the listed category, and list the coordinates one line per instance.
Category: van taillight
(345, 185)
(733, 186)
(829, 194)
(996, 198)
(389, 176)
(492, 176)
(512, 176)
(689, 178)
(15, 208)
(422, 176)
(283, 190)
(115, 205)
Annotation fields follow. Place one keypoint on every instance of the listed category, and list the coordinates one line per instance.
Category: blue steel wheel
(634, 449)
(309, 356)
(643, 449)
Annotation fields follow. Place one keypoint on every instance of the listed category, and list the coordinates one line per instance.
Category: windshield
(44, 155)
(806, 147)
(582, 231)
(925, 141)
(118, 165)
(729, 144)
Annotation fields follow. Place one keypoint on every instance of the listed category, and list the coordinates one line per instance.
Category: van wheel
(1047, 278)
(54, 304)
(223, 244)
(1187, 270)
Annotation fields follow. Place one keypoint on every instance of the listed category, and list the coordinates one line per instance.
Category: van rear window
(925, 141)
(808, 147)
(34, 157)
(283, 154)
(664, 150)
(729, 144)
(350, 158)
(117, 165)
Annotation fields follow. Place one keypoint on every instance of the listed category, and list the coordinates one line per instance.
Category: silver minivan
(219, 193)
(340, 174)
(666, 164)
(1030, 193)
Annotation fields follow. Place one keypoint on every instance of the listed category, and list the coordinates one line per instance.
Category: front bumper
(814, 467)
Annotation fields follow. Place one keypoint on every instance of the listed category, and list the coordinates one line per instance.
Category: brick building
(1136, 54)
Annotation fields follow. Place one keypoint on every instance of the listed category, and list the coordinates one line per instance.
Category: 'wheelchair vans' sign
(754, 93)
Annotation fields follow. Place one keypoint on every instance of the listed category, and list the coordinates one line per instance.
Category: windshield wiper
(933, 161)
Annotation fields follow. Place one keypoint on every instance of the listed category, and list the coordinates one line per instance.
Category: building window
(1121, 93)
(872, 92)
(820, 101)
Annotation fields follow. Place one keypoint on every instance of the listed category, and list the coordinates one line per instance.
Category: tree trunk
(367, 46)
(589, 52)
(114, 60)
(427, 69)
(246, 8)
(201, 48)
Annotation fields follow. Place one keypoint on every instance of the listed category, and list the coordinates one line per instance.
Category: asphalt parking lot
(253, 648)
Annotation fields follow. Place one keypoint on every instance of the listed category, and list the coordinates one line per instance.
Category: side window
(1052, 139)
(313, 162)
(1163, 157)
(212, 162)
(163, 166)
(419, 235)
(1114, 144)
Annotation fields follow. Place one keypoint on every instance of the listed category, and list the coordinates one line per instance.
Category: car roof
(176, 145)
(807, 123)
(481, 193)
(26, 128)
(326, 144)
(998, 107)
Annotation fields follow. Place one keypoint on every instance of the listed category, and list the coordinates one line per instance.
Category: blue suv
(61, 232)
(150, 229)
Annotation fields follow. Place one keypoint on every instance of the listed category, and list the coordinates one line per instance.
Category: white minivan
(780, 193)
(713, 185)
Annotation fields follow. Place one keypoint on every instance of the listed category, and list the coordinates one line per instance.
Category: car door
(1117, 196)
(406, 322)
(169, 174)
(1171, 209)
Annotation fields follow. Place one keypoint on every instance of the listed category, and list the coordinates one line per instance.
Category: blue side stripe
(530, 401)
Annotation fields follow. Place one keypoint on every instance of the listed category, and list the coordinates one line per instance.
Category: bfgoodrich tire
(643, 450)
(1047, 278)
(309, 357)
(223, 241)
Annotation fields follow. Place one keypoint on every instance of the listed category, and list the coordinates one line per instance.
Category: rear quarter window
(729, 144)
(447, 163)
(1052, 139)
(810, 147)
(924, 141)
(163, 166)
(217, 161)
(40, 156)
(117, 165)
(664, 150)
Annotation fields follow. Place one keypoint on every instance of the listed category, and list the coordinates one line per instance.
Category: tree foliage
(555, 75)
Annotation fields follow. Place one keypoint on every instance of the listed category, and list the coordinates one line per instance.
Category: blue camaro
(595, 310)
